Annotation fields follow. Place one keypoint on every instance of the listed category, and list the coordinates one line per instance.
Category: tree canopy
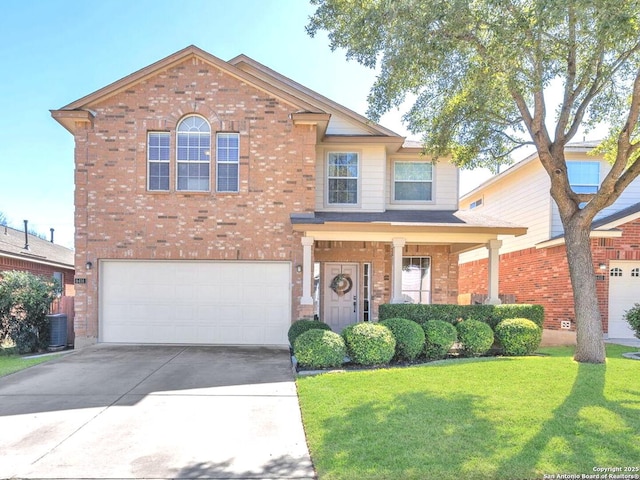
(481, 75)
(478, 70)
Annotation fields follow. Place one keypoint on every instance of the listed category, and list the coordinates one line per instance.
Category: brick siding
(116, 218)
(541, 276)
(9, 264)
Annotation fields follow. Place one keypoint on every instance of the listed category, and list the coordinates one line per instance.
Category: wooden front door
(340, 292)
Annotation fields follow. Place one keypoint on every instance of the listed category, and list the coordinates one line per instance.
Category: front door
(340, 295)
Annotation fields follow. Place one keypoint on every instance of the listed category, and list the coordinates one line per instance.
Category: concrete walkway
(154, 412)
(628, 342)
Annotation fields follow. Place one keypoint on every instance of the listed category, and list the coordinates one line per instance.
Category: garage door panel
(195, 302)
(624, 292)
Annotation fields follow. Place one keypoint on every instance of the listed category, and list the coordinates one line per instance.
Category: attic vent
(476, 204)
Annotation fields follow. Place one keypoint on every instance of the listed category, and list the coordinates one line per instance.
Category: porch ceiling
(462, 231)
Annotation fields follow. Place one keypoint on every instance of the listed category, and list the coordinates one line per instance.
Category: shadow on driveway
(154, 411)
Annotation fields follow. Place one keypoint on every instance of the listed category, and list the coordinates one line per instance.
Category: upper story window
(342, 178)
(584, 177)
(413, 181)
(227, 162)
(193, 154)
(158, 160)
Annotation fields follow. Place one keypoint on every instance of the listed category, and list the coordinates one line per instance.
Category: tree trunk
(590, 339)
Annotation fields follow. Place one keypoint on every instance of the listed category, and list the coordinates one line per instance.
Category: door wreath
(341, 284)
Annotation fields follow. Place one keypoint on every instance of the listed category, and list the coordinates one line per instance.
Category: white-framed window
(366, 288)
(412, 181)
(59, 277)
(158, 153)
(342, 178)
(227, 162)
(193, 154)
(584, 177)
(416, 279)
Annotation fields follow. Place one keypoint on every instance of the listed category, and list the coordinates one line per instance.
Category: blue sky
(55, 52)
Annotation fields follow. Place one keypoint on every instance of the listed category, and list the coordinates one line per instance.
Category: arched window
(635, 272)
(615, 272)
(194, 154)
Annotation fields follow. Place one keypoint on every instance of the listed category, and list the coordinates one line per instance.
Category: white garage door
(234, 303)
(624, 292)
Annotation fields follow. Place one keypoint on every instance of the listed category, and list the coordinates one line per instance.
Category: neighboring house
(533, 267)
(216, 202)
(30, 253)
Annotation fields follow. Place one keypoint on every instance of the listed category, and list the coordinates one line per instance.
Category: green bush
(439, 338)
(535, 313)
(369, 343)
(298, 327)
(632, 316)
(25, 299)
(491, 314)
(319, 348)
(518, 336)
(475, 337)
(409, 337)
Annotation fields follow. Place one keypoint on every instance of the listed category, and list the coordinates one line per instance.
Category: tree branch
(569, 92)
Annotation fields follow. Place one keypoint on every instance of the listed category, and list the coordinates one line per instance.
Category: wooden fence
(65, 305)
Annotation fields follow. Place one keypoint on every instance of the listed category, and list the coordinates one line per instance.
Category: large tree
(480, 74)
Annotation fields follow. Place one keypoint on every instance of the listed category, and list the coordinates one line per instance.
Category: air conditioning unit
(57, 330)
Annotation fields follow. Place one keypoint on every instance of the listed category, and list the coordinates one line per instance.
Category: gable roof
(605, 227)
(12, 244)
(257, 69)
(241, 67)
(576, 147)
(618, 218)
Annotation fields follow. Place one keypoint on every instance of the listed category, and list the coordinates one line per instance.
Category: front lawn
(489, 418)
(13, 363)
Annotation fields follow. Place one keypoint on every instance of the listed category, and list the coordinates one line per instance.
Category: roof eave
(71, 119)
(39, 261)
(174, 59)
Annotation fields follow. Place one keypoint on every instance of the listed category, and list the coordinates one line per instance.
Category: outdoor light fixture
(299, 268)
(89, 265)
(603, 266)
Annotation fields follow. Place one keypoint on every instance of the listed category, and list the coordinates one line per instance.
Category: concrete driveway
(154, 412)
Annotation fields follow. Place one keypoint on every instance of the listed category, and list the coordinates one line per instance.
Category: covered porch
(353, 262)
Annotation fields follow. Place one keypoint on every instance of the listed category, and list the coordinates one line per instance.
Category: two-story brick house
(533, 267)
(218, 201)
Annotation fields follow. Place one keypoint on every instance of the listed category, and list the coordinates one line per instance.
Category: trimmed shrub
(535, 313)
(632, 316)
(298, 327)
(409, 337)
(369, 343)
(475, 337)
(25, 299)
(439, 338)
(319, 348)
(491, 314)
(518, 336)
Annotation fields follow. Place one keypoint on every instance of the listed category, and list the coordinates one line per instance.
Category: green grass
(13, 363)
(491, 418)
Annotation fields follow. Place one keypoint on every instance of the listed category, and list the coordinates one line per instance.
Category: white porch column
(396, 273)
(494, 272)
(307, 271)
